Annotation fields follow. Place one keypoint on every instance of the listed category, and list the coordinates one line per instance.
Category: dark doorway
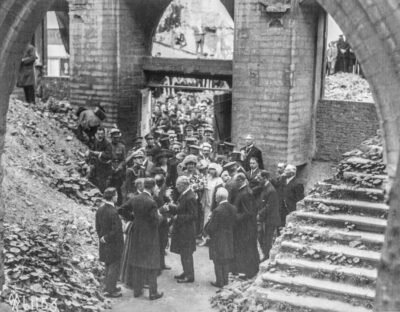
(223, 116)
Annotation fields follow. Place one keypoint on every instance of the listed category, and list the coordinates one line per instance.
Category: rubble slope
(50, 242)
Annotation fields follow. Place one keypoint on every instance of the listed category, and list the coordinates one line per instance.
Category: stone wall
(57, 87)
(273, 80)
(93, 55)
(342, 126)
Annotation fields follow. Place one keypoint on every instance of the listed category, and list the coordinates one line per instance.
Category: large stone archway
(371, 27)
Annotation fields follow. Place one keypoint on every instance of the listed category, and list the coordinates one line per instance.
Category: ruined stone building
(275, 75)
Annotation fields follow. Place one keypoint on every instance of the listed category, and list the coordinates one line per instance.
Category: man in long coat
(268, 213)
(293, 191)
(101, 154)
(161, 198)
(145, 255)
(183, 240)
(26, 75)
(246, 258)
(109, 230)
(220, 228)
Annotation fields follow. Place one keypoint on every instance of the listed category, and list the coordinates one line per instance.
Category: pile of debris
(364, 166)
(347, 87)
(42, 273)
(61, 111)
(234, 298)
(79, 189)
(61, 163)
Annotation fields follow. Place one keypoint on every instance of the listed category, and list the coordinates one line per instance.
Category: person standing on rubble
(117, 163)
(26, 74)
(89, 121)
(101, 156)
(109, 230)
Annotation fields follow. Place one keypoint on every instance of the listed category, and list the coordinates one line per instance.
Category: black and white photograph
(199, 155)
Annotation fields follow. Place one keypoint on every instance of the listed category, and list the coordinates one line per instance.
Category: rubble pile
(347, 87)
(364, 166)
(61, 111)
(79, 189)
(51, 247)
(61, 163)
(327, 256)
(234, 297)
(41, 269)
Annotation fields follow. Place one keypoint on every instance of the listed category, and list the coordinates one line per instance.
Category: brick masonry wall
(342, 126)
(106, 58)
(57, 87)
(300, 123)
(93, 28)
(273, 81)
(261, 82)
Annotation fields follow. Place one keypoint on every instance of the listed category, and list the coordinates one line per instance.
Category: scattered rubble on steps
(347, 87)
(326, 258)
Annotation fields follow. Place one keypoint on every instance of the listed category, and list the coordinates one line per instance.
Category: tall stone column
(107, 47)
(273, 77)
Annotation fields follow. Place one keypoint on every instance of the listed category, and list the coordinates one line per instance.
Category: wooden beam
(203, 68)
(188, 88)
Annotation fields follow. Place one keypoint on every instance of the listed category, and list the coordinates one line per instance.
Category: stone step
(367, 256)
(304, 301)
(364, 207)
(350, 175)
(342, 235)
(369, 224)
(321, 286)
(355, 192)
(309, 267)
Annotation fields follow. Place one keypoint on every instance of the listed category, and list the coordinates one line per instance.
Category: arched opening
(371, 33)
(194, 29)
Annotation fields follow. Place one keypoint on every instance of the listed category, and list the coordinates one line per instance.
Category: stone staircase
(326, 258)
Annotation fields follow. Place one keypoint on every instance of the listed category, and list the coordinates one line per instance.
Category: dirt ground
(177, 297)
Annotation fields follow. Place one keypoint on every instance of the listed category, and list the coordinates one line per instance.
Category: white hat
(291, 168)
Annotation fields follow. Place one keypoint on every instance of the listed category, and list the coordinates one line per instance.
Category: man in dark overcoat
(109, 230)
(101, 155)
(268, 213)
(161, 198)
(249, 151)
(26, 75)
(145, 255)
(220, 228)
(293, 191)
(246, 258)
(183, 240)
(118, 164)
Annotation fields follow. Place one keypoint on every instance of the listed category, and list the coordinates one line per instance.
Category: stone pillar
(273, 78)
(107, 47)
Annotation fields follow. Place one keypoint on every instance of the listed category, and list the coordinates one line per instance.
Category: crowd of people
(340, 57)
(180, 188)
